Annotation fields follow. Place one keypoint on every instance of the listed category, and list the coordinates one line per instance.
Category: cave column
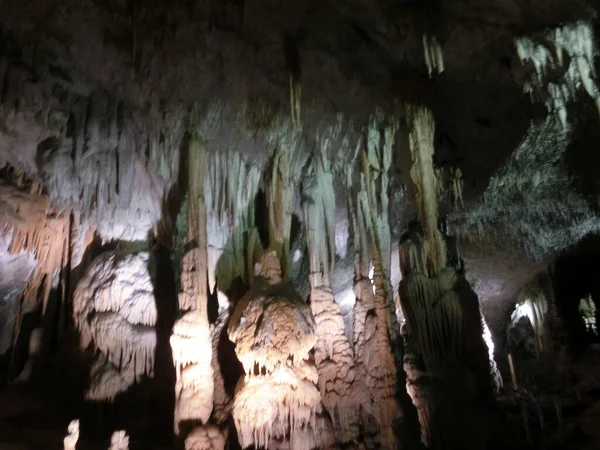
(446, 361)
(334, 356)
(374, 324)
(191, 339)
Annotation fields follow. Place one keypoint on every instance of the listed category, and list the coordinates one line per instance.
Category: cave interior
(299, 224)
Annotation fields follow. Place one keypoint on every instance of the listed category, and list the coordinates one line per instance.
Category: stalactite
(295, 101)
(495, 373)
(114, 308)
(434, 58)
(191, 341)
(280, 195)
(278, 367)
(70, 441)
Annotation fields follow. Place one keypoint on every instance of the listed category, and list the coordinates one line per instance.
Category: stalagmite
(221, 399)
(489, 343)
(119, 441)
(191, 341)
(444, 344)
(35, 347)
(70, 441)
(114, 308)
(207, 437)
(273, 330)
(457, 188)
(568, 50)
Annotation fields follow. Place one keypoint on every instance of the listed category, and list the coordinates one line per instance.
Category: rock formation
(191, 341)
(114, 309)
(273, 331)
(444, 329)
(150, 153)
(70, 441)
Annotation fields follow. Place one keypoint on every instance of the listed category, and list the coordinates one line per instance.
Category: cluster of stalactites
(114, 308)
(318, 214)
(230, 186)
(434, 57)
(39, 230)
(568, 52)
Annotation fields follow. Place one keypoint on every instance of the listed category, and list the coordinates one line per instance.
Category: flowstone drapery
(114, 309)
(273, 331)
(446, 361)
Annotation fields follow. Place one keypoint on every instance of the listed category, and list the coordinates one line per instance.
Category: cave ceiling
(157, 61)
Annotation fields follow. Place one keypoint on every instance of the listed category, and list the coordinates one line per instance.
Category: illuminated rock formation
(343, 393)
(70, 441)
(191, 342)
(273, 331)
(205, 438)
(119, 441)
(114, 309)
(374, 325)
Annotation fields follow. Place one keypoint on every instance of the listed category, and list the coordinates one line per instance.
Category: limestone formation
(70, 441)
(273, 330)
(114, 309)
(206, 437)
(119, 441)
(343, 393)
(444, 340)
(191, 341)
(569, 49)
